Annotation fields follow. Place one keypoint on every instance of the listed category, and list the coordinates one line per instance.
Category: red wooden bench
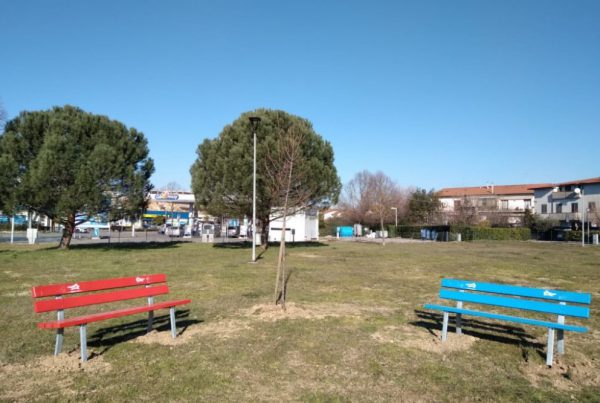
(58, 298)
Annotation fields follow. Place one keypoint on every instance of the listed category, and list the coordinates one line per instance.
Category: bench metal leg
(173, 327)
(60, 335)
(150, 320)
(445, 327)
(459, 305)
(560, 345)
(83, 342)
(458, 323)
(550, 348)
(150, 314)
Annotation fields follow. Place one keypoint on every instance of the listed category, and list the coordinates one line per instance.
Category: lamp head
(577, 191)
(254, 122)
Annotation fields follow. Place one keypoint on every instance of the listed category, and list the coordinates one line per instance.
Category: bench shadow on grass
(501, 333)
(107, 337)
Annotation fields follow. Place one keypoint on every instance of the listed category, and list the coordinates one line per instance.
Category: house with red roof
(499, 204)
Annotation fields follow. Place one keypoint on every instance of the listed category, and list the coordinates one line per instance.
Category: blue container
(345, 232)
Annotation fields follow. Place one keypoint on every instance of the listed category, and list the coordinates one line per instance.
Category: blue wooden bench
(514, 297)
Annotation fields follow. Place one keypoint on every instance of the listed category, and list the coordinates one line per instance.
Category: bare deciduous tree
(369, 198)
(286, 179)
(356, 199)
(384, 194)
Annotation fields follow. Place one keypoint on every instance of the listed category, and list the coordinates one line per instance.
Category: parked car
(233, 231)
(174, 231)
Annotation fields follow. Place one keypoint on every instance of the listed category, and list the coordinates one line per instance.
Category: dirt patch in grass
(223, 329)
(230, 328)
(422, 339)
(17, 294)
(21, 381)
(271, 312)
(568, 373)
(305, 255)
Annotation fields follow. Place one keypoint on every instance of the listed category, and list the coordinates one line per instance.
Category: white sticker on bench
(74, 287)
(139, 280)
(549, 294)
(471, 285)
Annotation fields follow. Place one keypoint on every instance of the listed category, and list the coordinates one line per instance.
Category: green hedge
(467, 233)
(575, 236)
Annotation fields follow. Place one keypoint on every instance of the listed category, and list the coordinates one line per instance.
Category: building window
(559, 208)
(592, 206)
(504, 204)
(574, 207)
(527, 203)
(544, 209)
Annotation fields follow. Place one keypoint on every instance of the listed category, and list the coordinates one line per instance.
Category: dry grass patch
(423, 339)
(224, 329)
(233, 327)
(21, 381)
(271, 312)
(568, 373)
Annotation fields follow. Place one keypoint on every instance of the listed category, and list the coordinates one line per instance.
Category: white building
(300, 227)
(507, 202)
(570, 203)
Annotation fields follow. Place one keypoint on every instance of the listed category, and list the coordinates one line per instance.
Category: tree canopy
(222, 172)
(423, 207)
(64, 162)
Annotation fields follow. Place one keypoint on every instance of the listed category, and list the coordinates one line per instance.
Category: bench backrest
(124, 288)
(525, 298)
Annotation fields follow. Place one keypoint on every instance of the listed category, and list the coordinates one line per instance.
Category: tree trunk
(264, 232)
(280, 280)
(382, 232)
(67, 234)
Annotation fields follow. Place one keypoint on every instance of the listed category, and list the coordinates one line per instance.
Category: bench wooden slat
(528, 305)
(554, 295)
(52, 290)
(101, 298)
(80, 320)
(527, 321)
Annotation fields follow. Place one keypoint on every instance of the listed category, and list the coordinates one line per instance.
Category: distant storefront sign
(166, 196)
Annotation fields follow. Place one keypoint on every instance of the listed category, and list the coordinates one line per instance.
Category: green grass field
(354, 330)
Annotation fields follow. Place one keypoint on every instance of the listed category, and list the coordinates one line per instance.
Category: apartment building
(570, 203)
(502, 204)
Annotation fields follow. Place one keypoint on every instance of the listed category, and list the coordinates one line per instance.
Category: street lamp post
(579, 191)
(254, 122)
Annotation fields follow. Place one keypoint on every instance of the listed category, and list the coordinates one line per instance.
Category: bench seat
(557, 304)
(508, 318)
(87, 294)
(80, 320)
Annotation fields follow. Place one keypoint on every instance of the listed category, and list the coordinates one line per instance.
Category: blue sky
(433, 93)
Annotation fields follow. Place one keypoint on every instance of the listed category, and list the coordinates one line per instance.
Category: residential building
(569, 203)
(499, 204)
